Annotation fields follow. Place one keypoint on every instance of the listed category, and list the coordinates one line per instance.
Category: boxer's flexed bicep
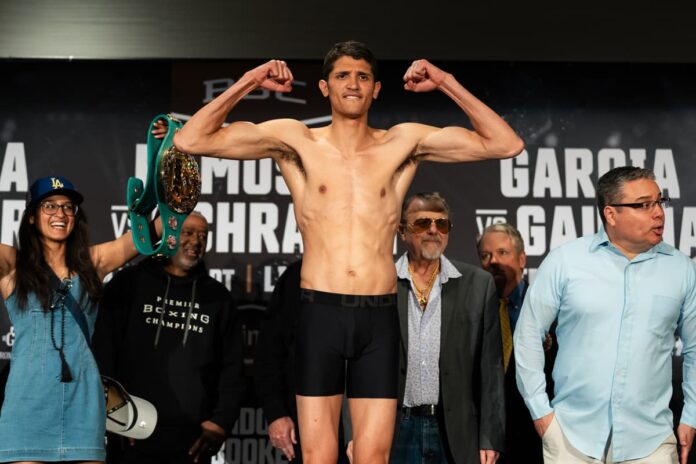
(206, 133)
(491, 137)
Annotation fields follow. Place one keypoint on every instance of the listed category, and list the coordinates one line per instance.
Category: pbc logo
(9, 337)
(56, 183)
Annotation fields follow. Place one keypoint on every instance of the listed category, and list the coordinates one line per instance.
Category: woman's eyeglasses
(50, 208)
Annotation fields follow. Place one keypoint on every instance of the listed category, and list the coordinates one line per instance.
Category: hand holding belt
(173, 185)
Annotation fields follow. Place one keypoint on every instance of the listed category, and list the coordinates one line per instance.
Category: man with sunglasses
(451, 400)
(619, 296)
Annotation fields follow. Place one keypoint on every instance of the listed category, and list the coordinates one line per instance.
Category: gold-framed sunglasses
(420, 225)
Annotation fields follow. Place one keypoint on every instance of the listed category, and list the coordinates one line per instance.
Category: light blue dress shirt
(616, 324)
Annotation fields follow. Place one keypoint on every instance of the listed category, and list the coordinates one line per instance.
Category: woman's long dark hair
(32, 273)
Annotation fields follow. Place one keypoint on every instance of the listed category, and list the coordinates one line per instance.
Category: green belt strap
(173, 185)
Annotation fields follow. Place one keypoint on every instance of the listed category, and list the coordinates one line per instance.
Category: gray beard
(431, 255)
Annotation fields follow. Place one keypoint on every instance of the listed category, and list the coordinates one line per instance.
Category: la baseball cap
(51, 185)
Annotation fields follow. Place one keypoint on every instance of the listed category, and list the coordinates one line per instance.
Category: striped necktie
(505, 331)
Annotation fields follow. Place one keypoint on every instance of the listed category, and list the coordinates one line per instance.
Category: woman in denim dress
(54, 408)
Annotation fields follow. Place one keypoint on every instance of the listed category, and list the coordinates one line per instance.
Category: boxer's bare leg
(318, 418)
(373, 429)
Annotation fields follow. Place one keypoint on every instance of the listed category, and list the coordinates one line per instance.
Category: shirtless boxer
(347, 182)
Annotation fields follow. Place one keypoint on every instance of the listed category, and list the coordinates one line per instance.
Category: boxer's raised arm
(203, 134)
(492, 137)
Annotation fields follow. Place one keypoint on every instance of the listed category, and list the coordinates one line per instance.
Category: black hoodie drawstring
(164, 309)
(188, 316)
(160, 323)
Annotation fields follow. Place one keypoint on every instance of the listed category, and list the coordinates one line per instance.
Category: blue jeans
(418, 440)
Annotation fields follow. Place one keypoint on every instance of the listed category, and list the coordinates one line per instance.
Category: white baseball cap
(126, 414)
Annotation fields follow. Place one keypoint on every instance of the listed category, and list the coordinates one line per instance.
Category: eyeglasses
(646, 205)
(420, 225)
(69, 209)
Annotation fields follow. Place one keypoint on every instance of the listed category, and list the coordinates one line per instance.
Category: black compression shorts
(360, 329)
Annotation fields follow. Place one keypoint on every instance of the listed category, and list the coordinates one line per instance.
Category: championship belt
(173, 185)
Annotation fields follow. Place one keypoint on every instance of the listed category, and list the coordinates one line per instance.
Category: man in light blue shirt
(619, 296)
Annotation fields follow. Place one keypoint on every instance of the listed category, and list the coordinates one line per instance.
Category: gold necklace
(422, 295)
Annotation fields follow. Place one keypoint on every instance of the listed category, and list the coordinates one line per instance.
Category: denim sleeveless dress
(43, 419)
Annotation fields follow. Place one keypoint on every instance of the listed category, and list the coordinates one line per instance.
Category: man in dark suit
(274, 373)
(501, 251)
(451, 399)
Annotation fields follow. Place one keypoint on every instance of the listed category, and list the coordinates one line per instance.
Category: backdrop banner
(88, 121)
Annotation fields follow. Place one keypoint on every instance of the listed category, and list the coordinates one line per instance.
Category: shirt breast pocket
(664, 315)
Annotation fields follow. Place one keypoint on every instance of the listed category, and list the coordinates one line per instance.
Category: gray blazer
(472, 393)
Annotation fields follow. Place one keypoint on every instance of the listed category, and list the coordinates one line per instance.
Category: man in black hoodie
(169, 333)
